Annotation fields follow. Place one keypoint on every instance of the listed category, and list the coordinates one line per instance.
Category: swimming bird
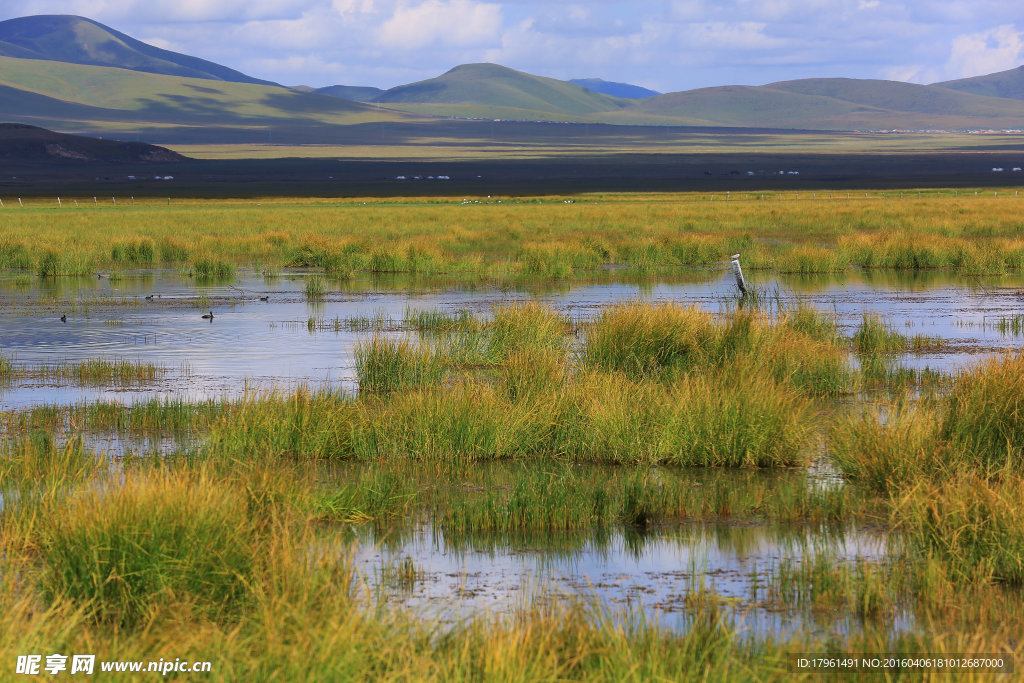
(149, 298)
(64, 318)
(208, 316)
(264, 298)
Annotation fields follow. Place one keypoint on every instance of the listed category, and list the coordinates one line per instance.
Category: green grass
(92, 372)
(124, 552)
(385, 365)
(315, 288)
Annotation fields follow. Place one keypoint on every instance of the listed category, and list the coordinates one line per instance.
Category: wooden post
(738, 272)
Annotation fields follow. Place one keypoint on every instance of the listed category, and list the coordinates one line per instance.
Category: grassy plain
(525, 423)
(549, 237)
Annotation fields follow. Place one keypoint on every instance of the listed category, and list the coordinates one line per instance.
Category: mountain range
(74, 74)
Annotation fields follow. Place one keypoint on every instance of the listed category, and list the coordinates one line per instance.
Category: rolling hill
(491, 90)
(30, 143)
(356, 93)
(76, 75)
(119, 102)
(77, 40)
(1009, 84)
(829, 104)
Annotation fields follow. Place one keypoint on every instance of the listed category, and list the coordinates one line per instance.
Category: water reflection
(269, 343)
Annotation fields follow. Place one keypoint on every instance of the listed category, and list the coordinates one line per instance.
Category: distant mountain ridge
(1008, 84)
(77, 40)
(615, 89)
(75, 74)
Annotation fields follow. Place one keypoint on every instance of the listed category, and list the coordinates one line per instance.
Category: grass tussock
(386, 365)
(125, 551)
(973, 525)
(983, 417)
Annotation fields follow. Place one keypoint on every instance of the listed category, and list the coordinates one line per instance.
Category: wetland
(426, 439)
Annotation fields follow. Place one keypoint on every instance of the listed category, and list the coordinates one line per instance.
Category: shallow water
(255, 345)
(654, 572)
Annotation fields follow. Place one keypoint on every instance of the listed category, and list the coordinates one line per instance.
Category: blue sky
(666, 45)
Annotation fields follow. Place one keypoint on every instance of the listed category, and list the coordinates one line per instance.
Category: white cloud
(456, 22)
(997, 49)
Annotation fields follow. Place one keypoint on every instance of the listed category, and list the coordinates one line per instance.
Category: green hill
(77, 40)
(1009, 84)
(828, 104)
(96, 99)
(490, 90)
(356, 93)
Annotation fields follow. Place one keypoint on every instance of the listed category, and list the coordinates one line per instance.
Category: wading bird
(738, 272)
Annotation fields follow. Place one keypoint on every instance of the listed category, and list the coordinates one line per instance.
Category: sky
(666, 45)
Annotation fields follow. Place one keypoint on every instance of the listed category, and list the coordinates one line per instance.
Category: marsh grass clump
(316, 287)
(303, 426)
(210, 269)
(875, 337)
(528, 373)
(70, 261)
(464, 423)
(123, 551)
(972, 524)
(101, 371)
(524, 326)
(139, 252)
(91, 372)
(386, 365)
(641, 339)
(805, 259)
(891, 451)
(37, 461)
(14, 255)
(983, 416)
(438, 321)
(749, 421)
(173, 250)
(694, 421)
(374, 495)
(809, 321)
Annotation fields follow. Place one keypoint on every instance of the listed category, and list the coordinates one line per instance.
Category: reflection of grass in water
(949, 468)
(1011, 326)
